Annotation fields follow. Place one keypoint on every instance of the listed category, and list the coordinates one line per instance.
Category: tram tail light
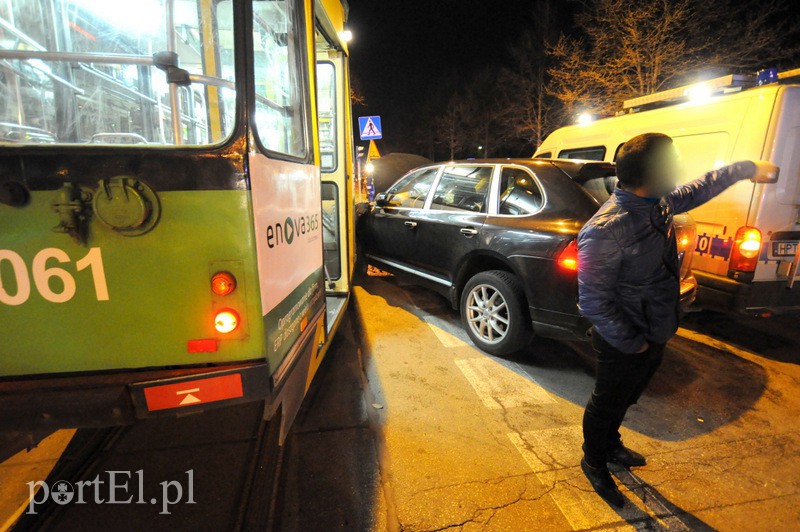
(223, 283)
(568, 258)
(226, 321)
(746, 248)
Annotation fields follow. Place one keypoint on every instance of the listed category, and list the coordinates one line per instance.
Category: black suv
(498, 239)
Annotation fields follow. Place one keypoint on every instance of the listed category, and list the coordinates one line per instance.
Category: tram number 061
(42, 274)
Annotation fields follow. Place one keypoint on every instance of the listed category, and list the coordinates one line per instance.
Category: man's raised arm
(695, 193)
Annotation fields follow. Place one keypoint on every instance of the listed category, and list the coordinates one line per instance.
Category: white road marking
(554, 455)
(499, 387)
(704, 339)
(549, 449)
(653, 500)
(444, 337)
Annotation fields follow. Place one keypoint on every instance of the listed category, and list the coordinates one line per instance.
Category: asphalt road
(432, 434)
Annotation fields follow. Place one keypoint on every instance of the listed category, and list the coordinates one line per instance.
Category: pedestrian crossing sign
(373, 151)
(370, 127)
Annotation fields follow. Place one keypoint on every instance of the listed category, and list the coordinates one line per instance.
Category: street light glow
(698, 93)
(369, 168)
(346, 35)
(584, 119)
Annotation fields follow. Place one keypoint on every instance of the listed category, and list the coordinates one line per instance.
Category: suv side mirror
(381, 200)
(766, 172)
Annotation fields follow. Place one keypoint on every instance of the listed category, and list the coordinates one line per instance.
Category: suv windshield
(95, 72)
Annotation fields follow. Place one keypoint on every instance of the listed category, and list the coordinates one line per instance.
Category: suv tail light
(568, 258)
(744, 256)
(686, 237)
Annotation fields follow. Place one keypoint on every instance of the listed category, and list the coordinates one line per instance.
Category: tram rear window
(82, 72)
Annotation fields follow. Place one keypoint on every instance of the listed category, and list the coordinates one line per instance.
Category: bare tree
(531, 111)
(486, 118)
(357, 96)
(632, 48)
(752, 34)
(451, 125)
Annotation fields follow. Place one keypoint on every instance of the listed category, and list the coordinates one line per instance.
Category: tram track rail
(232, 453)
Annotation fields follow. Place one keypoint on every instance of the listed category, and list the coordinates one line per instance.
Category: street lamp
(700, 93)
(584, 119)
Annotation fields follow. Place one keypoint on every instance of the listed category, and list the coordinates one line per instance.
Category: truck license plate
(784, 249)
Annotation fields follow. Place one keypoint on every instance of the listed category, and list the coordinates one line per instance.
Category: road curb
(374, 396)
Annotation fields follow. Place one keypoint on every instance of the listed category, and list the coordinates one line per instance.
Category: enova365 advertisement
(287, 212)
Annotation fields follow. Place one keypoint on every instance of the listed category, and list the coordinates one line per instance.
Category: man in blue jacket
(629, 288)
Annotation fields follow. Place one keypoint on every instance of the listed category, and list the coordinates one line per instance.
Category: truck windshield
(99, 72)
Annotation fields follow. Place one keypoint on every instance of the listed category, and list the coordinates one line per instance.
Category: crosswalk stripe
(444, 337)
(499, 387)
(554, 455)
(716, 343)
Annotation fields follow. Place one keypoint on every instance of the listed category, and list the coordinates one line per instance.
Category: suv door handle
(410, 225)
(469, 231)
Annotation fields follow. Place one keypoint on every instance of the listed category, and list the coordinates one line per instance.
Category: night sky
(404, 51)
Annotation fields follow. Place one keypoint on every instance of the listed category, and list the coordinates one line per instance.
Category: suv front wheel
(493, 312)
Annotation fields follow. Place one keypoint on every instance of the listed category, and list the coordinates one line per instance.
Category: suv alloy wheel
(493, 312)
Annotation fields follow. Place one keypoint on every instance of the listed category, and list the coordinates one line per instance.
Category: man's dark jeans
(621, 379)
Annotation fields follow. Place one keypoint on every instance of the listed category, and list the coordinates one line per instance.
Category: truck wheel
(494, 313)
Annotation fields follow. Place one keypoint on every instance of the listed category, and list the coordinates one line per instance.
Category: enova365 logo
(286, 231)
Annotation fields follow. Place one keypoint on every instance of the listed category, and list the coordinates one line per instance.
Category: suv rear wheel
(493, 312)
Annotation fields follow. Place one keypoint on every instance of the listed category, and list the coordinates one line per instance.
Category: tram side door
(336, 164)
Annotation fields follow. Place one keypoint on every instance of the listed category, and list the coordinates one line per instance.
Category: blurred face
(662, 171)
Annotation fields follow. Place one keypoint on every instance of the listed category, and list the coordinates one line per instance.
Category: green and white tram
(176, 203)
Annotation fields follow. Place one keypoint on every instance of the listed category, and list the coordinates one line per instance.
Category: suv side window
(463, 188)
(519, 193)
(412, 190)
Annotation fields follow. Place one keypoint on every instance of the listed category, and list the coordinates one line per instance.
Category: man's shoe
(625, 457)
(603, 484)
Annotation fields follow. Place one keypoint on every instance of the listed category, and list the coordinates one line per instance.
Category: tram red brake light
(568, 258)
(226, 321)
(223, 283)
(746, 248)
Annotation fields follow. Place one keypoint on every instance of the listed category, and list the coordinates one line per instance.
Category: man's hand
(644, 348)
(756, 171)
(766, 172)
